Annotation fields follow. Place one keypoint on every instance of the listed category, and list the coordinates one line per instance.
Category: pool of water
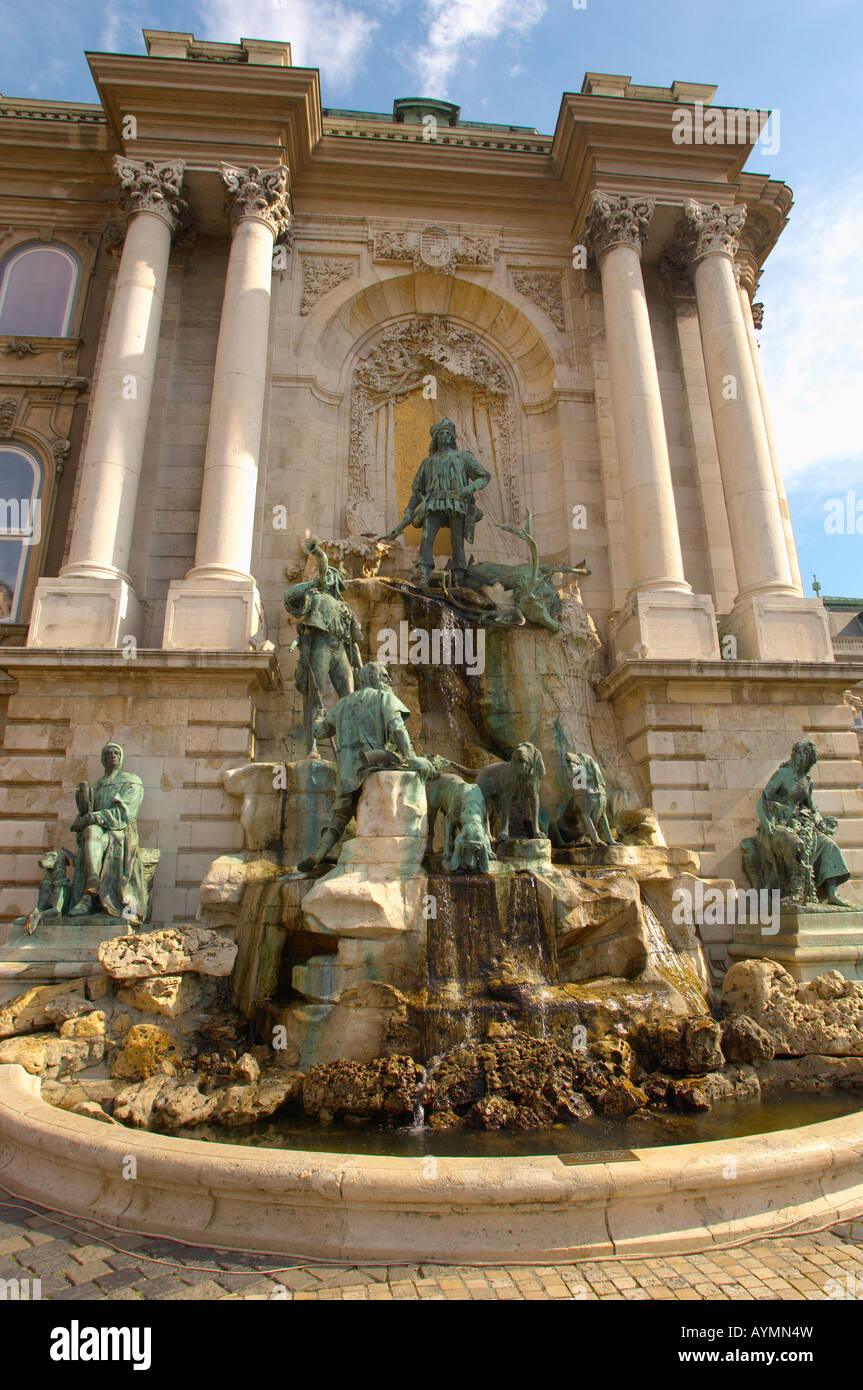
(583, 1141)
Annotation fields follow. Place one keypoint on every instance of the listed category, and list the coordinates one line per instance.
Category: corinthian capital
(259, 193)
(711, 230)
(617, 221)
(147, 186)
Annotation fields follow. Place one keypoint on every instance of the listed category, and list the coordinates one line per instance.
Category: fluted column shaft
(111, 469)
(757, 538)
(616, 230)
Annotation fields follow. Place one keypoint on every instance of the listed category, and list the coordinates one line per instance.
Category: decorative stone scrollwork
(617, 221)
(150, 187)
(8, 411)
(404, 355)
(434, 250)
(545, 289)
(711, 230)
(758, 315)
(59, 449)
(20, 347)
(113, 236)
(320, 275)
(261, 193)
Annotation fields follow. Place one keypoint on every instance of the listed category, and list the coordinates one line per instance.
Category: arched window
(37, 291)
(20, 523)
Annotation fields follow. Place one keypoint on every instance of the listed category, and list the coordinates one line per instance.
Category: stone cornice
(260, 194)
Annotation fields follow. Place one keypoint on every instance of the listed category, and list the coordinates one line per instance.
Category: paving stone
(119, 1279)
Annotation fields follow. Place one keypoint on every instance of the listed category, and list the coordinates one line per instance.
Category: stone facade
(287, 310)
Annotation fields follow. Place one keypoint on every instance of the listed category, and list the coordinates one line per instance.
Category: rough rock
(170, 951)
(93, 1111)
(702, 1092)
(824, 1016)
(812, 1074)
(181, 1103)
(87, 1025)
(521, 1082)
(242, 1105)
(133, 1105)
(385, 1087)
(168, 995)
(29, 1052)
(246, 1069)
(44, 1054)
(27, 1012)
(67, 1006)
(744, 1040)
(690, 1046)
(146, 1049)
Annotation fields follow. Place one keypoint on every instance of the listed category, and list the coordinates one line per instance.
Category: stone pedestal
(776, 627)
(664, 623)
(809, 941)
(532, 855)
(212, 614)
(84, 612)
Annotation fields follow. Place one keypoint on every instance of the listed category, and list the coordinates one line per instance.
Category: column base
(80, 612)
(780, 627)
(665, 624)
(212, 614)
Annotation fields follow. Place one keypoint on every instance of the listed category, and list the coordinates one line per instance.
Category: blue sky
(509, 61)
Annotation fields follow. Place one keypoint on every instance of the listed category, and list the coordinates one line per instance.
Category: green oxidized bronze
(109, 872)
(794, 849)
(328, 637)
(442, 495)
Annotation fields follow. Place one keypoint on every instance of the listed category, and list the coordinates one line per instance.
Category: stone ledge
(630, 674)
(354, 1208)
(75, 660)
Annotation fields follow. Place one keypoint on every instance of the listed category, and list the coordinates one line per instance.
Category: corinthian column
(217, 604)
(92, 603)
(661, 616)
(770, 619)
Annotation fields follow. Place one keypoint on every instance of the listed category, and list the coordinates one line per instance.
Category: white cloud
(812, 344)
(516, 71)
(322, 33)
(455, 27)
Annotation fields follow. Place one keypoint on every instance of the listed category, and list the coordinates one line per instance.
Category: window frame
(23, 573)
(19, 253)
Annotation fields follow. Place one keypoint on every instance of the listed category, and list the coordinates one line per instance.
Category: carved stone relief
(320, 275)
(434, 250)
(545, 289)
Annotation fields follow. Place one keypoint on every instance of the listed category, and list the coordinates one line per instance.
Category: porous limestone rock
(87, 1025)
(133, 1105)
(168, 995)
(67, 1007)
(688, 1046)
(179, 1103)
(246, 1069)
(93, 1111)
(824, 1016)
(170, 951)
(242, 1105)
(744, 1040)
(28, 1051)
(385, 1087)
(220, 897)
(146, 1050)
(27, 1012)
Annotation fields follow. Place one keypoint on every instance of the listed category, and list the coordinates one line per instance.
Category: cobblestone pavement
(79, 1260)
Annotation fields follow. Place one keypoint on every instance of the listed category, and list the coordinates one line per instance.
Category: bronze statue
(794, 849)
(586, 812)
(367, 720)
(108, 867)
(328, 636)
(442, 494)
